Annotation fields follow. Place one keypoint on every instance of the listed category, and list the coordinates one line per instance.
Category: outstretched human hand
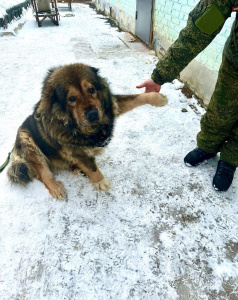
(150, 86)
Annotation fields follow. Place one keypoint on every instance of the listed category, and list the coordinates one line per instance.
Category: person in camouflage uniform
(219, 125)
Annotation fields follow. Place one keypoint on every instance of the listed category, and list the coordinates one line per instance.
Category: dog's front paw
(57, 190)
(158, 99)
(102, 185)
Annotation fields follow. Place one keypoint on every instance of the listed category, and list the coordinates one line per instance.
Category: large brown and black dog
(70, 125)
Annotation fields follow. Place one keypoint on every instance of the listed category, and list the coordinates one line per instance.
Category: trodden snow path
(160, 232)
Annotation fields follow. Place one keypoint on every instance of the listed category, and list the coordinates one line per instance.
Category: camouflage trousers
(219, 125)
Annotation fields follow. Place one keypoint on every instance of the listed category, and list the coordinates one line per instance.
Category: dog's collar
(102, 137)
(103, 143)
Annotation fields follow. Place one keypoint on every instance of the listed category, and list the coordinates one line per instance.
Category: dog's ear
(59, 97)
(98, 81)
(95, 70)
(46, 80)
(50, 71)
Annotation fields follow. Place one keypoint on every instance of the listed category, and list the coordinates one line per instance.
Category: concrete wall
(170, 16)
(123, 11)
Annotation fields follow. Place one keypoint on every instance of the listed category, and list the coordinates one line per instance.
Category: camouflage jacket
(204, 23)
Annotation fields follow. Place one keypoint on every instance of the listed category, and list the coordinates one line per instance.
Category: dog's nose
(92, 115)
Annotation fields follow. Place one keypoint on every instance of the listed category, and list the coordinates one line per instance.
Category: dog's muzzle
(92, 115)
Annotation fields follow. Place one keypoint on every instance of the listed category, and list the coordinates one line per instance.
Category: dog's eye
(91, 90)
(72, 99)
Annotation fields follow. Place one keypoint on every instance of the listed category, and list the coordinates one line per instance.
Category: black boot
(196, 157)
(224, 176)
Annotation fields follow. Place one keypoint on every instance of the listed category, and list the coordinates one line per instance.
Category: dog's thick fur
(70, 125)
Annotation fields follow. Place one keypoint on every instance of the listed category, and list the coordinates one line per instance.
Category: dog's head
(80, 98)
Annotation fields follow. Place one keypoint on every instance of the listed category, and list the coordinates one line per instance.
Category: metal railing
(14, 12)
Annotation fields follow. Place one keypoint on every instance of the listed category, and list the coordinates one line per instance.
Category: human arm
(204, 23)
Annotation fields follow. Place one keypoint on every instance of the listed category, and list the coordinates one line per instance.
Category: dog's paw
(102, 185)
(158, 100)
(57, 190)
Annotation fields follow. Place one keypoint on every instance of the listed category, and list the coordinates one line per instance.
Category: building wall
(170, 16)
(123, 11)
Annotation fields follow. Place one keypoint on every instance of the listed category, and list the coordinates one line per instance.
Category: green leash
(38, 116)
(2, 167)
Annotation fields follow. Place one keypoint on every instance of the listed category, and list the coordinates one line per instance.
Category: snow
(160, 232)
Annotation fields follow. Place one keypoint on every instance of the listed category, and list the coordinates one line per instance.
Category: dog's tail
(20, 172)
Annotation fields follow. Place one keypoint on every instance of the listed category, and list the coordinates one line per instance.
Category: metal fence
(14, 12)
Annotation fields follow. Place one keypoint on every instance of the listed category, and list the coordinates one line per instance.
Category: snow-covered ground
(160, 232)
